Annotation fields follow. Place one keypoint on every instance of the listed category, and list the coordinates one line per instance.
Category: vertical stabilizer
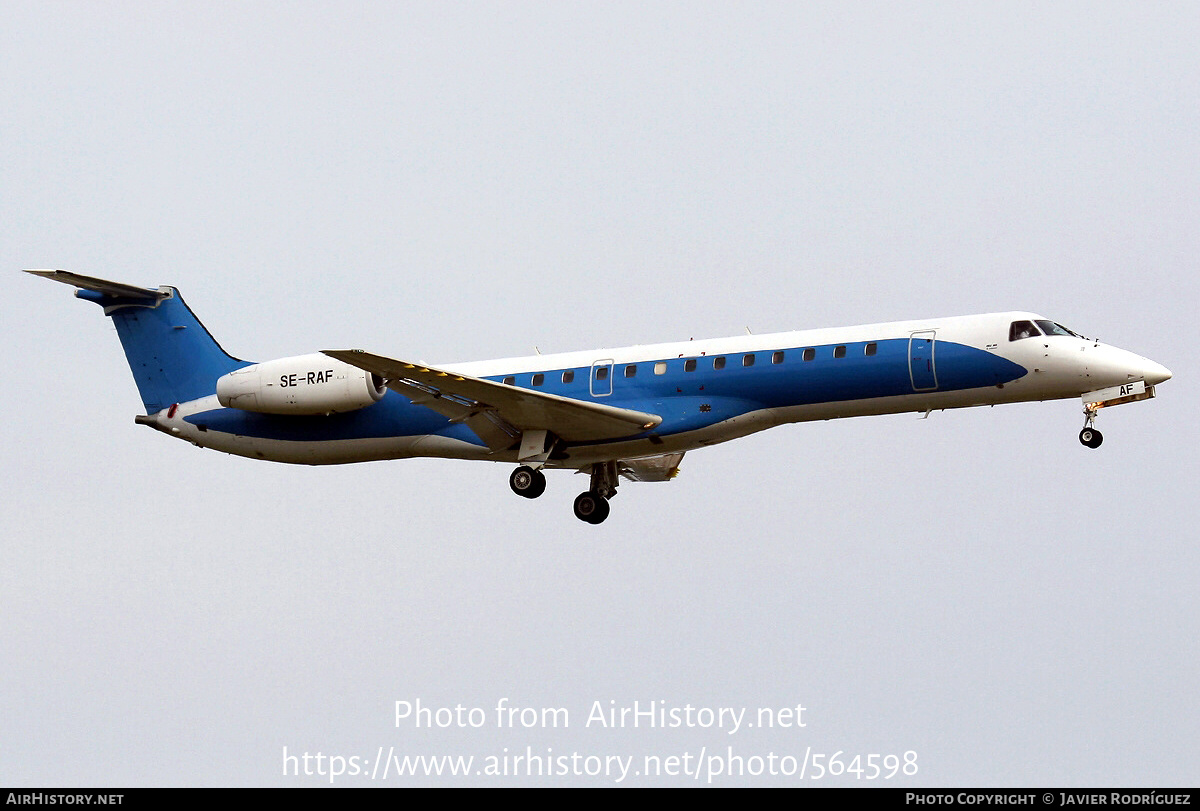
(173, 358)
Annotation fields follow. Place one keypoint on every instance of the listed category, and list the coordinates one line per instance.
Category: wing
(499, 414)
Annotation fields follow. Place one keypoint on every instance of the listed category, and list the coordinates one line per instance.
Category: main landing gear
(591, 506)
(527, 481)
(1090, 436)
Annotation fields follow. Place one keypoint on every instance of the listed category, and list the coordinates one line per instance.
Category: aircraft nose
(1112, 366)
(1155, 373)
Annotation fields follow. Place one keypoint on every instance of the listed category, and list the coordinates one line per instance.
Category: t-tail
(174, 359)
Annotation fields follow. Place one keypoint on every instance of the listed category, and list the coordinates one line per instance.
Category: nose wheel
(1089, 436)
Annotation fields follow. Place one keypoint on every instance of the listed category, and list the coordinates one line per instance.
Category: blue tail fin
(172, 356)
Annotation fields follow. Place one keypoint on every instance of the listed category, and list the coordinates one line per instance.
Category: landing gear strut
(592, 506)
(527, 482)
(1089, 436)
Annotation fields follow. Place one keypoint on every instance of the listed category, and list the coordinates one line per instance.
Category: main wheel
(591, 507)
(1091, 437)
(527, 482)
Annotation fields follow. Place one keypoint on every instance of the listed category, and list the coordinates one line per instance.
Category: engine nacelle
(305, 384)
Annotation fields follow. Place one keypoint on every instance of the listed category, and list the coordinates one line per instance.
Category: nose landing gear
(1089, 436)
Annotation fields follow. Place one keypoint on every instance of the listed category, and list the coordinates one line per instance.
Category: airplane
(630, 412)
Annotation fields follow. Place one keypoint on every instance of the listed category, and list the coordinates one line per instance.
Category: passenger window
(719, 363)
(747, 360)
(569, 375)
(839, 351)
(810, 353)
(1022, 329)
(660, 368)
(869, 350)
(602, 373)
(689, 365)
(508, 381)
(631, 370)
(777, 357)
(539, 379)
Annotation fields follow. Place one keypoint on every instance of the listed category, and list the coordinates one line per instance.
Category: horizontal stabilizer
(469, 399)
(115, 289)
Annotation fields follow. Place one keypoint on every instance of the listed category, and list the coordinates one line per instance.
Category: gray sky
(458, 182)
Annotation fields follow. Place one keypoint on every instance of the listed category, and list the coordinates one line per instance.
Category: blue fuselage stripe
(686, 400)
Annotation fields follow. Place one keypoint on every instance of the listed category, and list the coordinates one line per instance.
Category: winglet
(107, 288)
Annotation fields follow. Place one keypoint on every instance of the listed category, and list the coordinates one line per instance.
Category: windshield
(1054, 328)
(1050, 328)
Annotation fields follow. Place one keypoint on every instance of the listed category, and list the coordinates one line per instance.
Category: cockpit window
(1022, 329)
(1053, 328)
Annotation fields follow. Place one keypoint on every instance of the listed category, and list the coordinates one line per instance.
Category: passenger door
(921, 368)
